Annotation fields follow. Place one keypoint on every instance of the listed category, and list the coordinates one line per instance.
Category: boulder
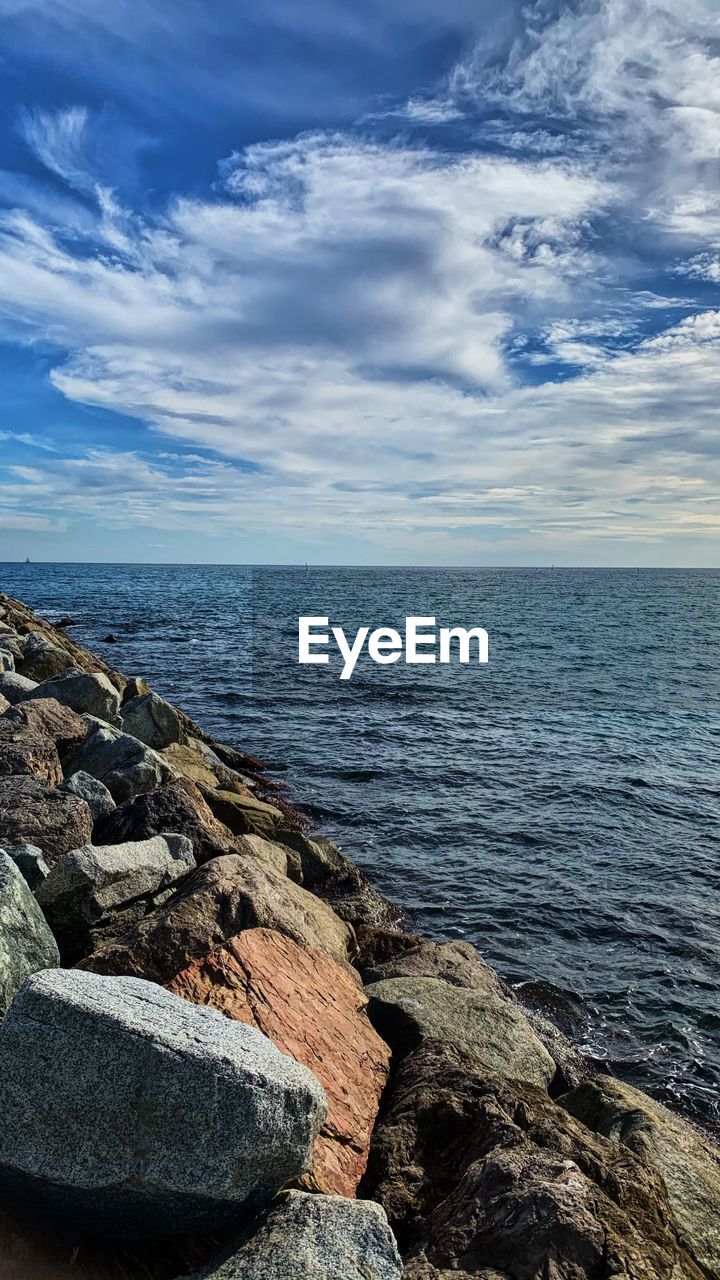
(7, 660)
(195, 760)
(14, 687)
(126, 1111)
(4, 704)
(6, 629)
(242, 812)
(688, 1163)
(176, 806)
(42, 660)
(49, 717)
(274, 855)
(26, 943)
(122, 762)
(33, 813)
(377, 943)
(30, 861)
(314, 1011)
(87, 692)
(326, 871)
(220, 899)
(409, 1011)
(458, 963)
(306, 1237)
(481, 1176)
(92, 791)
(151, 719)
(28, 754)
(94, 894)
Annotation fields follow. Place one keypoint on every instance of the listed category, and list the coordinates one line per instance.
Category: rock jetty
(223, 1058)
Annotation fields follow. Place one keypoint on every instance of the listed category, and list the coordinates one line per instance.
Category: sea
(558, 807)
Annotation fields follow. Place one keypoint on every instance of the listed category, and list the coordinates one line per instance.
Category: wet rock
(408, 1011)
(110, 638)
(26, 943)
(687, 1162)
(49, 717)
(326, 871)
(122, 762)
(30, 861)
(87, 692)
(312, 1237)
(33, 813)
(14, 687)
(176, 806)
(94, 894)
(126, 1111)
(42, 659)
(220, 899)
(66, 622)
(7, 660)
(28, 754)
(151, 719)
(572, 1066)
(314, 1011)
(243, 813)
(481, 1176)
(92, 791)
(458, 963)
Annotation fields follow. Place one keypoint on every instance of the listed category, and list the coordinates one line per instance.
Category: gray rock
(152, 720)
(92, 791)
(15, 687)
(407, 1012)
(6, 629)
(11, 644)
(687, 1161)
(458, 963)
(92, 894)
(274, 855)
(87, 692)
(29, 858)
(126, 1111)
(122, 762)
(26, 943)
(42, 659)
(7, 660)
(313, 1237)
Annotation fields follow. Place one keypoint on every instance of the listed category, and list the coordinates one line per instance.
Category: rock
(312, 1237)
(126, 1111)
(243, 813)
(33, 813)
(42, 659)
(92, 791)
(28, 754)
(30, 861)
(481, 1176)
(458, 963)
(274, 855)
(110, 638)
(572, 1066)
(88, 693)
(687, 1162)
(122, 762)
(409, 1011)
(314, 1011)
(14, 687)
(176, 806)
(66, 622)
(376, 944)
(49, 717)
(326, 871)
(4, 704)
(26, 943)
(152, 720)
(94, 894)
(6, 629)
(220, 899)
(7, 660)
(135, 688)
(194, 760)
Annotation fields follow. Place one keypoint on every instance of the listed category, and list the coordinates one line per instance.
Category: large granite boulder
(30, 861)
(94, 894)
(4, 704)
(176, 806)
(272, 853)
(409, 1011)
(50, 718)
(482, 1176)
(92, 791)
(33, 813)
(314, 1011)
(326, 871)
(458, 963)
(220, 899)
(24, 753)
(14, 687)
(151, 719)
(312, 1237)
(126, 1111)
(7, 660)
(26, 943)
(88, 692)
(242, 812)
(687, 1161)
(43, 660)
(122, 762)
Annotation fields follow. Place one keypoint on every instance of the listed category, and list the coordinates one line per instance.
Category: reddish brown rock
(24, 753)
(49, 717)
(178, 807)
(31, 812)
(314, 1011)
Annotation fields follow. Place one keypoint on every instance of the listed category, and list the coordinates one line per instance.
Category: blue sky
(346, 281)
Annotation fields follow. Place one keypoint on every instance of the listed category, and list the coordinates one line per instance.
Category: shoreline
(491, 1144)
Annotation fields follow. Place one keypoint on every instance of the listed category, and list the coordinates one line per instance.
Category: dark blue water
(560, 807)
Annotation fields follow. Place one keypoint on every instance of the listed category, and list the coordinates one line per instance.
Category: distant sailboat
(27, 559)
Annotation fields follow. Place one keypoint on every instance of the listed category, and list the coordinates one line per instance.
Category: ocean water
(559, 807)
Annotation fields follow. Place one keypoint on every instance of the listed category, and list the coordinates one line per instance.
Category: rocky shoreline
(222, 1058)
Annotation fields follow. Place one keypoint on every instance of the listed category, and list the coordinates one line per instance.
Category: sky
(360, 281)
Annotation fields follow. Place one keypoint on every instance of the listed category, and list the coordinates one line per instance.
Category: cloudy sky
(365, 281)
